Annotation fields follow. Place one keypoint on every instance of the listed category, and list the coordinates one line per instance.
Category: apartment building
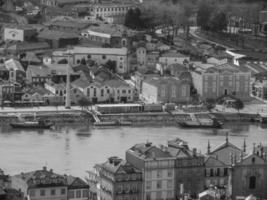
(158, 168)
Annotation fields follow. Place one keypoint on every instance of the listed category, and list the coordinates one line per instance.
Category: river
(75, 148)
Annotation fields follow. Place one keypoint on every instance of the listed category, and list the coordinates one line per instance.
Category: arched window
(252, 182)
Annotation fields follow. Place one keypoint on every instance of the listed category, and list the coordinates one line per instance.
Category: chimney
(51, 170)
(44, 168)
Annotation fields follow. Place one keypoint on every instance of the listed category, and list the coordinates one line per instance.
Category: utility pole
(67, 101)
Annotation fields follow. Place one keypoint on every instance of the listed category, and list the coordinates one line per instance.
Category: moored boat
(39, 124)
(210, 123)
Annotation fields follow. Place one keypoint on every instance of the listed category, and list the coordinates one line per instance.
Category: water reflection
(74, 148)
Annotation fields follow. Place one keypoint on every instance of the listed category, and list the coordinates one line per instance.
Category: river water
(75, 148)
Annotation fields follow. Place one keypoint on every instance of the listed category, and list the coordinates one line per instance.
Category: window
(252, 182)
(148, 174)
(71, 194)
(158, 195)
(53, 192)
(183, 90)
(94, 92)
(104, 57)
(129, 91)
(102, 92)
(32, 193)
(169, 173)
(107, 91)
(173, 91)
(78, 194)
(63, 191)
(169, 184)
(148, 196)
(123, 91)
(85, 193)
(159, 173)
(225, 171)
(88, 92)
(148, 185)
(211, 172)
(159, 184)
(42, 192)
(163, 91)
(218, 172)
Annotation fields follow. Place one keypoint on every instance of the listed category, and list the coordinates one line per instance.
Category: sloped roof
(13, 64)
(56, 35)
(76, 182)
(212, 160)
(80, 83)
(38, 70)
(223, 146)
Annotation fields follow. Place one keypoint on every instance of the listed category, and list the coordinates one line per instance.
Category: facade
(38, 75)
(41, 184)
(259, 89)
(19, 33)
(113, 12)
(220, 80)
(68, 26)
(77, 188)
(158, 168)
(141, 55)
(16, 71)
(100, 55)
(7, 90)
(173, 58)
(166, 90)
(249, 176)
(119, 179)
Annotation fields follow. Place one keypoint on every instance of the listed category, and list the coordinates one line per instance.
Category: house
(189, 167)
(166, 90)
(58, 39)
(78, 189)
(24, 47)
(16, 71)
(38, 75)
(158, 181)
(100, 55)
(118, 179)
(71, 26)
(59, 72)
(41, 184)
(57, 93)
(169, 58)
(207, 195)
(215, 81)
(115, 35)
(35, 95)
(141, 54)
(19, 33)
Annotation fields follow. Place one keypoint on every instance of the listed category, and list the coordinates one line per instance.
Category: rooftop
(56, 35)
(38, 70)
(13, 64)
(174, 55)
(70, 24)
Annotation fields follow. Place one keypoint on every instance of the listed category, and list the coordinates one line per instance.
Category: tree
(132, 19)
(111, 65)
(204, 14)
(218, 22)
(83, 102)
(238, 104)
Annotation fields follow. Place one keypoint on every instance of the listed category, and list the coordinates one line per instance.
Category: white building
(173, 58)
(99, 55)
(19, 33)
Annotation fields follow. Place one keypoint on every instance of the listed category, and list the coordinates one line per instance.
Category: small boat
(39, 124)
(34, 124)
(210, 123)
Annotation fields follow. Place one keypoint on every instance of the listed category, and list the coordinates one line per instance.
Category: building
(77, 188)
(57, 91)
(38, 75)
(141, 55)
(113, 12)
(114, 35)
(166, 90)
(41, 184)
(259, 89)
(24, 47)
(100, 55)
(63, 2)
(58, 39)
(112, 91)
(158, 168)
(118, 179)
(70, 26)
(19, 33)
(220, 80)
(169, 58)
(189, 168)
(249, 176)
(16, 71)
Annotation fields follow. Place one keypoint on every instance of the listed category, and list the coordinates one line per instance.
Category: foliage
(111, 65)
(238, 104)
(204, 14)
(84, 102)
(132, 19)
(218, 22)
